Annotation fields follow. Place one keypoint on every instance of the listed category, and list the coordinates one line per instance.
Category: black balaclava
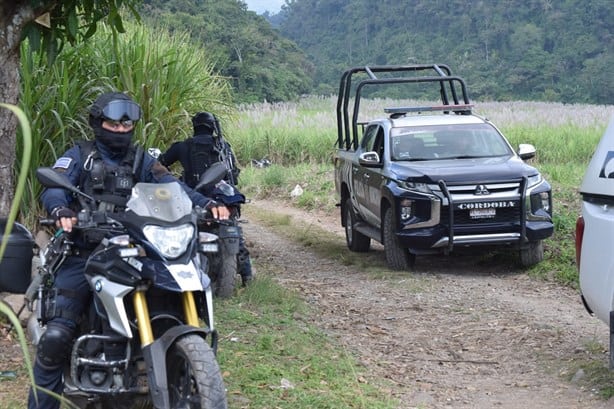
(115, 142)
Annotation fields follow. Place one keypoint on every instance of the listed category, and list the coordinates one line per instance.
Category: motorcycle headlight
(170, 241)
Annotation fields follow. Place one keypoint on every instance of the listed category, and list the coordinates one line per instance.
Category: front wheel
(226, 274)
(194, 377)
(397, 257)
(532, 254)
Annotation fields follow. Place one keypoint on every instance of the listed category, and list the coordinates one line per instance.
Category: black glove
(60, 212)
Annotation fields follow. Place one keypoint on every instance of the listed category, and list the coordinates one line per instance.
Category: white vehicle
(595, 234)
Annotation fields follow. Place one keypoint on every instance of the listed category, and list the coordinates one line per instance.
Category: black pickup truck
(430, 178)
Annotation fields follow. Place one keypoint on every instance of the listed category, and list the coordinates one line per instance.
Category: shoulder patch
(62, 163)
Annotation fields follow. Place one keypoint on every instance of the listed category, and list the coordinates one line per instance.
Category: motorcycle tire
(194, 376)
(226, 275)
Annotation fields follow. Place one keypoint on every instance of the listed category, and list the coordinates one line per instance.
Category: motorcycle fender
(155, 358)
(229, 237)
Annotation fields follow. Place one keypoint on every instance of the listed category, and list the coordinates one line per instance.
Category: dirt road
(461, 332)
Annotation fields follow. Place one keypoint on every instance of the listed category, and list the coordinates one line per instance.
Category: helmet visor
(122, 109)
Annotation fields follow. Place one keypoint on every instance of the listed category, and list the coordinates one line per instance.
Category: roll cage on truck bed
(423, 205)
(448, 90)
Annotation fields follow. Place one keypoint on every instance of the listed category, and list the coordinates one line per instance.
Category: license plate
(482, 213)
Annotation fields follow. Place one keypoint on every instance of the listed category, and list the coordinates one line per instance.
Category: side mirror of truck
(369, 160)
(526, 151)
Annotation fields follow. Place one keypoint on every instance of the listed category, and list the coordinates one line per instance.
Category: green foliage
(25, 163)
(72, 21)
(162, 72)
(553, 51)
(5, 309)
(261, 64)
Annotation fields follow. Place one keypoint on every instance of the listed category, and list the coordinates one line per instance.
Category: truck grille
(497, 202)
(463, 217)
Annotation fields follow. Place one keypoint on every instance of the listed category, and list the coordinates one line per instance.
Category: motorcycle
(225, 257)
(149, 338)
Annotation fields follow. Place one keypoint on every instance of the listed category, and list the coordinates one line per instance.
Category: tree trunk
(13, 16)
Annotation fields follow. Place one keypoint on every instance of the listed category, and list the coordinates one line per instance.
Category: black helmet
(203, 122)
(114, 106)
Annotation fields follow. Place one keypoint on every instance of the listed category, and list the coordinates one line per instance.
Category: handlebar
(46, 222)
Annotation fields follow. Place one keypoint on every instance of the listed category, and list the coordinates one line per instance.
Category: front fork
(189, 310)
(155, 351)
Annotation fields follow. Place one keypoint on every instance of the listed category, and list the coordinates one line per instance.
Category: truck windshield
(447, 142)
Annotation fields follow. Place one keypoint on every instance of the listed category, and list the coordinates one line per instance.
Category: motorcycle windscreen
(164, 201)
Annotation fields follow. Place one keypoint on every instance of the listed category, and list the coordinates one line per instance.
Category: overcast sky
(260, 6)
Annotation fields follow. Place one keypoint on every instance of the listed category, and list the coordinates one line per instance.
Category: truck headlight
(534, 180)
(414, 186)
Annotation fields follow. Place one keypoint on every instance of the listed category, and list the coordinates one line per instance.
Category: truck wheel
(355, 240)
(532, 254)
(397, 257)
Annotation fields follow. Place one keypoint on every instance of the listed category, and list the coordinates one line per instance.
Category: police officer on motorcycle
(106, 168)
(197, 154)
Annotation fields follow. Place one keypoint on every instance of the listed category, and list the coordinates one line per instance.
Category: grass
(273, 355)
(271, 352)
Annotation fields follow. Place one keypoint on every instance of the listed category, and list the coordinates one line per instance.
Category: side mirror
(211, 176)
(369, 160)
(50, 178)
(526, 151)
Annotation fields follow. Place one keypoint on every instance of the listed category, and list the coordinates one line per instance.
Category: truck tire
(397, 257)
(532, 254)
(355, 240)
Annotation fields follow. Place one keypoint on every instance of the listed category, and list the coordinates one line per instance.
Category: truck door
(374, 180)
(358, 172)
(367, 180)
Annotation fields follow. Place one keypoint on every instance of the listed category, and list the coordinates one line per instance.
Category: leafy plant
(162, 72)
(21, 181)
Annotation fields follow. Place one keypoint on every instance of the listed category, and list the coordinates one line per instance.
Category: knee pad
(55, 345)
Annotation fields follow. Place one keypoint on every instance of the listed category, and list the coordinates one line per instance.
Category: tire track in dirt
(455, 333)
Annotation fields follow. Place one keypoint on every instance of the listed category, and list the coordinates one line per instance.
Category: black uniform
(196, 155)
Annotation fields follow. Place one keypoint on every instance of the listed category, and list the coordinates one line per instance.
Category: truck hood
(463, 170)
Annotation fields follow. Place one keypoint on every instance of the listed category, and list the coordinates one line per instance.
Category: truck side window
(373, 141)
(369, 138)
(378, 144)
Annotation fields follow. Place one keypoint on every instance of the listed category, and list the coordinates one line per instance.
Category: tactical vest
(202, 156)
(110, 185)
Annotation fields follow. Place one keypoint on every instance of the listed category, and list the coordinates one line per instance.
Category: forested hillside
(261, 64)
(550, 50)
